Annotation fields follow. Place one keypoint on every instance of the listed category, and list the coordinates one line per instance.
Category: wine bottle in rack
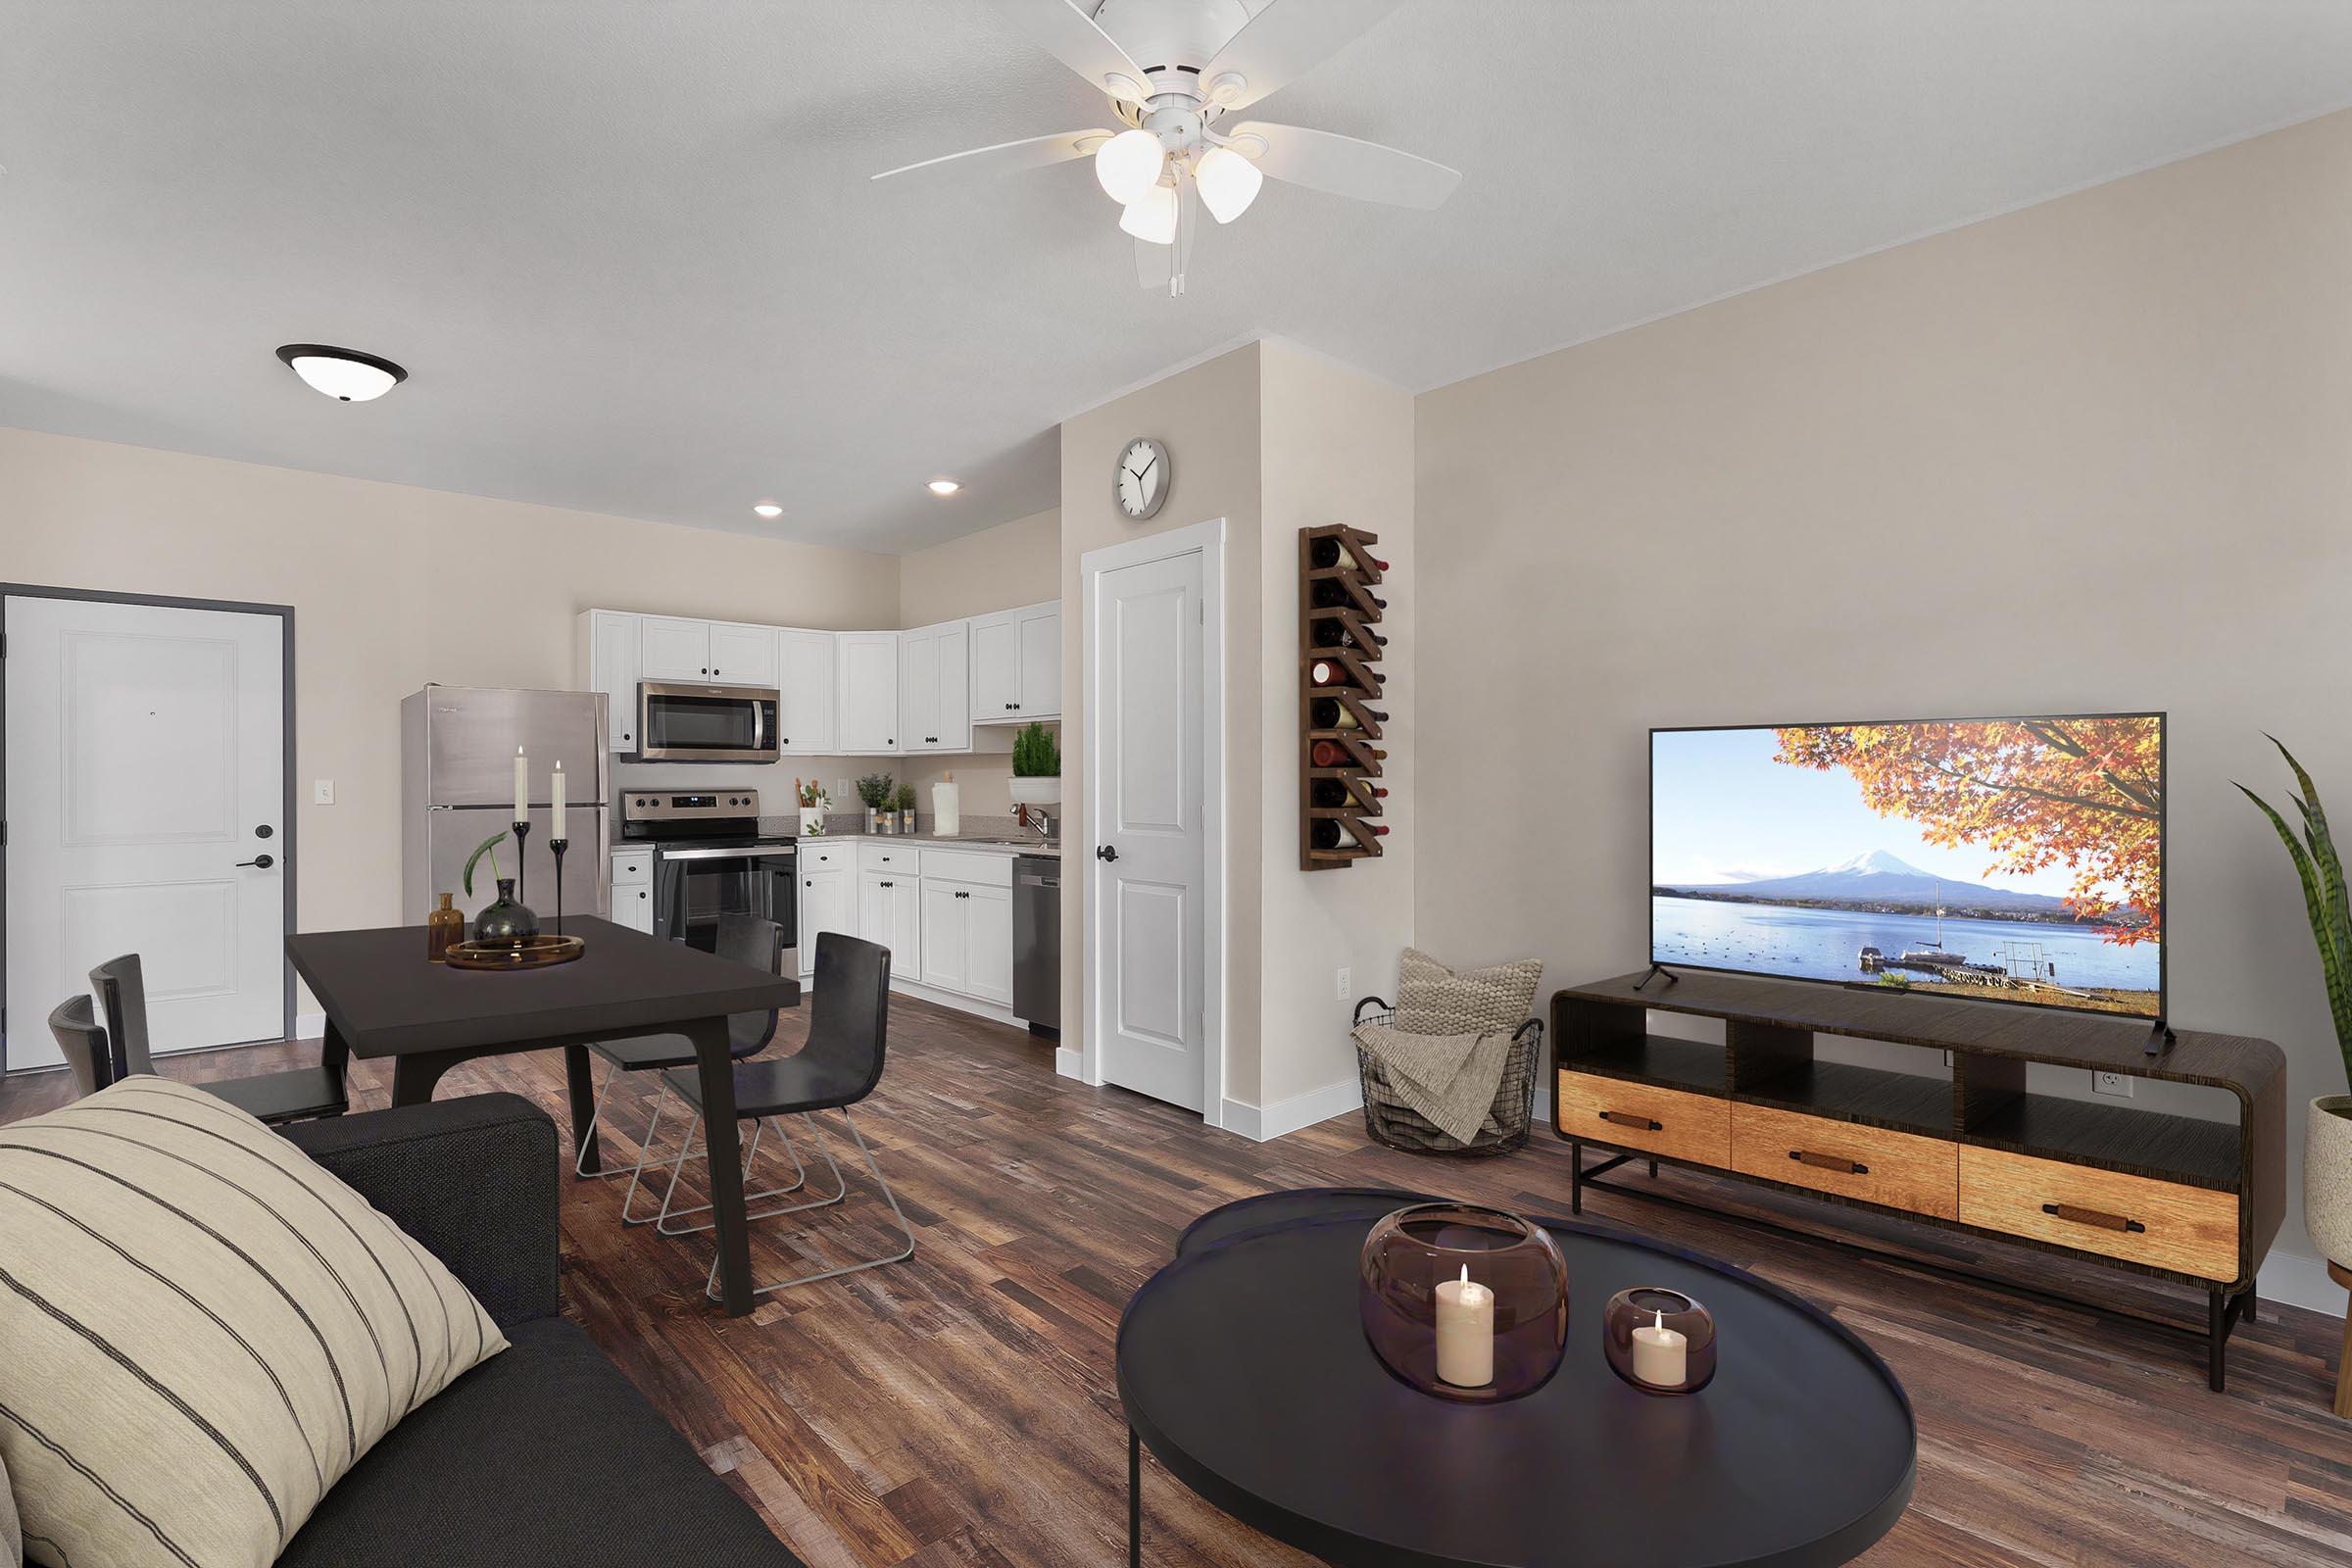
(1331, 754)
(1332, 792)
(1331, 672)
(1329, 595)
(1326, 834)
(1328, 552)
(1331, 714)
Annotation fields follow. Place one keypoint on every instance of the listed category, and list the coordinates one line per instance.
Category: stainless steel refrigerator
(456, 788)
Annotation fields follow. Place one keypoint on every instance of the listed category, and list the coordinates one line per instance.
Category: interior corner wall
(1207, 416)
(2086, 456)
(1338, 446)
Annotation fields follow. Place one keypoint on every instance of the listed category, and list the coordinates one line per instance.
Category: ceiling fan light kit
(1216, 58)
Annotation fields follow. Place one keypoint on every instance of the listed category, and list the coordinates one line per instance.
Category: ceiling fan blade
(1008, 156)
(1068, 34)
(1324, 161)
(1285, 42)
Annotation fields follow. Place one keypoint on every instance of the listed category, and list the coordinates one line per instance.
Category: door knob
(262, 861)
(1106, 852)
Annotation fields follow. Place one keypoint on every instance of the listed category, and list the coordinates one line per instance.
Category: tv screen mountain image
(2013, 859)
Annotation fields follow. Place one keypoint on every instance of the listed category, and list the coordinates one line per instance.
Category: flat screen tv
(1998, 859)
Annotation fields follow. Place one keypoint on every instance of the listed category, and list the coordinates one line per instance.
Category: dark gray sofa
(545, 1454)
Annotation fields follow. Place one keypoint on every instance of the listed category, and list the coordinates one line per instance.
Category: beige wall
(1209, 418)
(1338, 446)
(1013, 564)
(2089, 456)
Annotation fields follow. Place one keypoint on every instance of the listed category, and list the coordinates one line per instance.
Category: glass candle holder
(1464, 1302)
(1660, 1340)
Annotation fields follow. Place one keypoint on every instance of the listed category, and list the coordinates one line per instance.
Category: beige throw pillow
(1433, 1000)
(200, 1330)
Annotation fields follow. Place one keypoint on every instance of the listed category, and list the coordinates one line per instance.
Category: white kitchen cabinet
(743, 656)
(1016, 664)
(613, 657)
(943, 932)
(633, 890)
(967, 940)
(935, 711)
(890, 912)
(808, 683)
(676, 649)
(828, 902)
(869, 693)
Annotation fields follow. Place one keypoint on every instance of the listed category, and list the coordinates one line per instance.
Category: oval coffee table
(1243, 1368)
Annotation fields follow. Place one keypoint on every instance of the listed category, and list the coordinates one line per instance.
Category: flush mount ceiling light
(1179, 152)
(345, 374)
(944, 487)
(766, 509)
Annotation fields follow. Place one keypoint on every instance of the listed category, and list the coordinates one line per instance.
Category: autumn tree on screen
(2086, 793)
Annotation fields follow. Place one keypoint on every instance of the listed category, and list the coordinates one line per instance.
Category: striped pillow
(200, 1330)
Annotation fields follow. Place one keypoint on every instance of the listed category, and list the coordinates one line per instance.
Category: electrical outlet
(2111, 1083)
(1342, 984)
(322, 792)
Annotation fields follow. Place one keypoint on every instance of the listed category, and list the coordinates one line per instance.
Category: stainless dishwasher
(1037, 942)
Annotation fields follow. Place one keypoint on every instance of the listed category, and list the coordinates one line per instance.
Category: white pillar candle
(1465, 1333)
(1661, 1355)
(554, 829)
(523, 787)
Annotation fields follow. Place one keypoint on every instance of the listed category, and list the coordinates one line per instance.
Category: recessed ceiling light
(768, 509)
(944, 487)
(345, 374)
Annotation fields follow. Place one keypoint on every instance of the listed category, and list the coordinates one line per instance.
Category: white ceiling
(630, 256)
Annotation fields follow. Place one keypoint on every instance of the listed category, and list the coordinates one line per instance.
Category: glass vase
(1659, 1340)
(503, 919)
(443, 926)
(1464, 1302)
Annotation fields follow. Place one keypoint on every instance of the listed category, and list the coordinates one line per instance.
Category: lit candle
(523, 787)
(1661, 1355)
(556, 827)
(1466, 1333)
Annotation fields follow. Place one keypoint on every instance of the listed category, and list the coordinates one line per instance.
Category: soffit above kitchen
(633, 262)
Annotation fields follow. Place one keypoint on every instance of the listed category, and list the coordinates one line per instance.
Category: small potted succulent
(2327, 1127)
(876, 792)
(906, 809)
(1036, 767)
(815, 800)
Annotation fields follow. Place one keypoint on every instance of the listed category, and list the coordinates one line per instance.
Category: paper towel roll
(944, 809)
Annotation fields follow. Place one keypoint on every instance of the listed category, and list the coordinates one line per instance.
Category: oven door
(694, 886)
(678, 722)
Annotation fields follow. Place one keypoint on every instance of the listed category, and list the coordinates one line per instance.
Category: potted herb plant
(814, 800)
(1036, 767)
(905, 808)
(2327, 1129)
(875, 791)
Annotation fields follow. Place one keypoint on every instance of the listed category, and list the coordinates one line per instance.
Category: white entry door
(1146, 782)
(145, 780)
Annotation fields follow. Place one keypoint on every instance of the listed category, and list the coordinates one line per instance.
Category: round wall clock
(1141, 482)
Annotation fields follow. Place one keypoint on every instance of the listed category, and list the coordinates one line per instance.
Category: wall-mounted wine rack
(1340, 698)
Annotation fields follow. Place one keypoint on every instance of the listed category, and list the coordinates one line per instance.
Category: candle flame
(1465, 1273)
(1661, 1323)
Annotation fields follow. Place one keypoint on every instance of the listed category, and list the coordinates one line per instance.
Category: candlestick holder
(1660, 1339)
(522, 861)
(1491, 1335)
(556, 847)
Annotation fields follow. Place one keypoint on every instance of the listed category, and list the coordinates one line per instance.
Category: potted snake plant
(1036, 767)
(2328, 1128)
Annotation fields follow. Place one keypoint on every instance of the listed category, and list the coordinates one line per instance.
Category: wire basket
(1390, 1121)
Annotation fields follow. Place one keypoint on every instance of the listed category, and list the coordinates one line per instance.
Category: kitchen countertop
(935, 841)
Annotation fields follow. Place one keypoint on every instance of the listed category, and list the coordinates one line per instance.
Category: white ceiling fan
(1178, 152)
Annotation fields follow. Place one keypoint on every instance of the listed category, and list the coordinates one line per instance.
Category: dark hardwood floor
(959, 1409)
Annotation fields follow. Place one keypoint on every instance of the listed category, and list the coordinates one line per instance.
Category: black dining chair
(297, 1094)
(83, 1039)
(849, 1026)
(746, 940)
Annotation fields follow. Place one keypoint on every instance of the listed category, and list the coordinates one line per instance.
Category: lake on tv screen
(2017, 860)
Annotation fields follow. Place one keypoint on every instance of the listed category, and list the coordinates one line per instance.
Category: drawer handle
(1850, 1167)
(1626, 1119)
(2092, 1216)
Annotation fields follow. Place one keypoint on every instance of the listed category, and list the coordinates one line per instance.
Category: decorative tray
(531, 953)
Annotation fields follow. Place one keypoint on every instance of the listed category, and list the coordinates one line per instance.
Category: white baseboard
(1069, 1062)
(1264, 1123)
(2299, 1281)
(309, 1026)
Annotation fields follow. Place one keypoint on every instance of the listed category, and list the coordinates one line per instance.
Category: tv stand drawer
(1634, 1116)
(1901, 1170)
(2191, 1230)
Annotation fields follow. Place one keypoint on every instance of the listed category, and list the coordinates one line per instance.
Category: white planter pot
(2327, 1176)
(813, 821)
(1037, 791)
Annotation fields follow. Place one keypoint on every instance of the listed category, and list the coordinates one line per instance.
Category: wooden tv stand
(2172, 1197)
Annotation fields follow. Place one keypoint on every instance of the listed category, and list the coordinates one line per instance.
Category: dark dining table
(382, 998)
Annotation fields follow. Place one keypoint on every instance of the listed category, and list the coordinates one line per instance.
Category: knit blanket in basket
(1450, 1079)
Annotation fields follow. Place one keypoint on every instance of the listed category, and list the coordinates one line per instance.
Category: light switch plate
(322, 792)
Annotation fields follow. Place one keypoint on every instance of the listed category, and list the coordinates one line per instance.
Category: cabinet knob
(641, 894)
(959, 893)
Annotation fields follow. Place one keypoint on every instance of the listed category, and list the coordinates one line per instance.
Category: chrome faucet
(1036, 820)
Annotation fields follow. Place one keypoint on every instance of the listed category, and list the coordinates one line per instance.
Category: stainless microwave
(680, 721)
